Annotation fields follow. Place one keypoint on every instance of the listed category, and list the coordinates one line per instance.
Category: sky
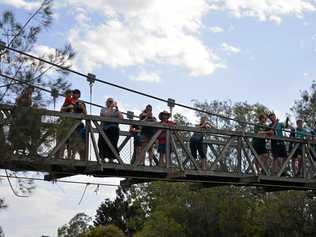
(243, 50)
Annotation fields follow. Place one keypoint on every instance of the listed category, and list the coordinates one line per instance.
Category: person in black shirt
(196, 142)
(259, 144)
(146, 134)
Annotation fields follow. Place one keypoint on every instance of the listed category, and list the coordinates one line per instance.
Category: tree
(160, 225)
(305, 107)
(105, 231)
(77, 226)
(124, 212)
(31, 71)
(27, 69)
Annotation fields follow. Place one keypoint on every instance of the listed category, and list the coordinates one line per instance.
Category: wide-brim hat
(164, 113)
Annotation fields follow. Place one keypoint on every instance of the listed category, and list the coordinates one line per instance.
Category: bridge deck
(64, 168)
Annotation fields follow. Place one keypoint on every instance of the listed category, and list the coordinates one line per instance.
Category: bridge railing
(46, 134)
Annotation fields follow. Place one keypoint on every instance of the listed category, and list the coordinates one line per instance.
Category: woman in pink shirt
(162, 139)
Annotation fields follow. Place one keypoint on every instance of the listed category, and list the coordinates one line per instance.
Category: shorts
(278, 149)
(161, 148)
(138, 139)
(260, 148)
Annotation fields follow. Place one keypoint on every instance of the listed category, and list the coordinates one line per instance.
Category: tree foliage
(77, 226)
(305, 106)
(124, 212)
(27, 69)
(105, 231)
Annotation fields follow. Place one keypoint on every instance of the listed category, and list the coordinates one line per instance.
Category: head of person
(299, 123)
(262, 118)
(76, 93)
(203, 119)
(272, 117)
(164, 115)
(109, 102)
(68, 93)
(28, 91)
(148, 108)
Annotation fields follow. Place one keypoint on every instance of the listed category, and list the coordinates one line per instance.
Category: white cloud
(27, 5)
(137, 33)
(264, 10)
(230, 49)
(146, 77)
(216, 29)
(43, 50)
(51, 206)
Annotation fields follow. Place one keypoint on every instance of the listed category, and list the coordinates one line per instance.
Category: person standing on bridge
(147, 133)
(19, 133)
(259, 144)
(196, 142)
(278, 148)
(162, 139)
(297, 161)
(111, 130)
(77, 142)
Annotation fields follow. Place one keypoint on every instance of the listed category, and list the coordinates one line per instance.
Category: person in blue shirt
(278, 148)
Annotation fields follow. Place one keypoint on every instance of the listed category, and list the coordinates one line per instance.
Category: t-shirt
(300, 133)
(197, 136)
(148, 131)
(69, 100)
(79, 107)
(260, 128)
(278, 129)
(106, 112)
(162, 136)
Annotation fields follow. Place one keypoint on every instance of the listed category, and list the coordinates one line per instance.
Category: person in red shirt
(164, 119)
(69, 103)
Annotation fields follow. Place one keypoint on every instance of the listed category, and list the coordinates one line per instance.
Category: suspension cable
(137, 92)
(52, 91)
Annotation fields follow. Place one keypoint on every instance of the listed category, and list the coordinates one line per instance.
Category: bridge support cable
(168, 101)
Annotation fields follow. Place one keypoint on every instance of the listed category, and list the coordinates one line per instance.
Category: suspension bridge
(231, 157)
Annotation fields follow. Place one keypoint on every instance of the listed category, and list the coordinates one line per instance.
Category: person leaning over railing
(196, 142)
(259, 144)
(111, 130)
(162, 139)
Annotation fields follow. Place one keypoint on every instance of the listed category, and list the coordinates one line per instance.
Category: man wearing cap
(162, 139)
(278, 148)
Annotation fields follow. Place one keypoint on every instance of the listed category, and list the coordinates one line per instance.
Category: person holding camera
(111, 130)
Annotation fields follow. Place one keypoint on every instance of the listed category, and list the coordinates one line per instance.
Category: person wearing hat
(297, 162)
(278, 148)
(162, 139)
